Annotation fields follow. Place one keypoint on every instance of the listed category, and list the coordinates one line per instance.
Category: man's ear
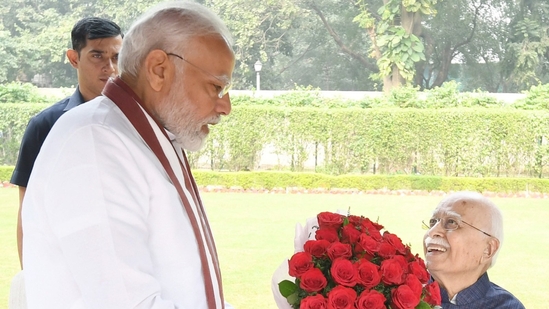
(158, 69)
(492, 247)
(73, 57)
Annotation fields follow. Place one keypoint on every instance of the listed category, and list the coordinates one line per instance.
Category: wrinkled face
(95, 63)
(460, 251)
(193, 102)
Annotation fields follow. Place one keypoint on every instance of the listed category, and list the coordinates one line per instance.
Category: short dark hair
(91, 28)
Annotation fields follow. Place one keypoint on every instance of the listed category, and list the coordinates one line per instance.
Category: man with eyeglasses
(462, 241)
(113, 217)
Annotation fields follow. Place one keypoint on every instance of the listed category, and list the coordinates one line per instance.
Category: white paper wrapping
(302, 234)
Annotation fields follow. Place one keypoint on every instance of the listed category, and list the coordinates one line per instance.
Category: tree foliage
(395, 35)
(493, 45)
(526, 60)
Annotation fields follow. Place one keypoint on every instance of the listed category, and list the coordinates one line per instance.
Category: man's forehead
(441, 212)
(459, 208)
(113, 42)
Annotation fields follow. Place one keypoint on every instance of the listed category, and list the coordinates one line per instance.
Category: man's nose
(436, 230)
(223, 106)
(110, 67)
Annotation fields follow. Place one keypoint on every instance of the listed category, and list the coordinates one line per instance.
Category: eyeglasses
(449, 224)
(227, 84)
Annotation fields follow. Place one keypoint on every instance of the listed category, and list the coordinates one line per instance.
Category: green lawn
(254, 234)
(9, 262)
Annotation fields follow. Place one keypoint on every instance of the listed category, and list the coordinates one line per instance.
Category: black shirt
(36, 132)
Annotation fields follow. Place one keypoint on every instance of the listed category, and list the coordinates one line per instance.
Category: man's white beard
(177, 116)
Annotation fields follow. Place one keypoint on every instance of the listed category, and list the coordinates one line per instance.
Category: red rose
(413, 282)
(432, 294)
(341, 297)
(361, 254)
(418, 268)
(404, 298)
(386, 250)
(313, 280)
(327, 234)
(368, 274)
(369, 244)
(344, 272)
(329, 220)
(395, 242)
(392, 272)
(375, 234)
(378, 226)
(402, 260)
(372, 228)
(349, 234)
(369, 224)
(371, 299)
(409, 255)
(339, 250)
(355, 220)
(299, 263)
(316, 248)
(313, 302)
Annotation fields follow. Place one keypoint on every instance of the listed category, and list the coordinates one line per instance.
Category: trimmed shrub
(344, 137)
(270, 180)
(14, 118)
(276, 179)
(5, 173)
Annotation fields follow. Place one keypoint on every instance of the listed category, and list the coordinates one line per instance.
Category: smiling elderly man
(463, 239)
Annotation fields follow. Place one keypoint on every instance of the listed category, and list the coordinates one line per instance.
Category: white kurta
(103, 225)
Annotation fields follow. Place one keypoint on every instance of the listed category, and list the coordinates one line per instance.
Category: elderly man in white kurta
(112, 216)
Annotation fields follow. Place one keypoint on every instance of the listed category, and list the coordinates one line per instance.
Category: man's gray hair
(493, 211)
(168, 26)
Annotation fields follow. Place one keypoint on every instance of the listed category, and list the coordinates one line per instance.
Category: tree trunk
(411, 22)
(442, 75)
(394, 81)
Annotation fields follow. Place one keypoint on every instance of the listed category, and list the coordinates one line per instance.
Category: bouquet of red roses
(350, 264)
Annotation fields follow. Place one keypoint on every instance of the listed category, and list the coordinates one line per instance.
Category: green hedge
(468, 142)
(14, 118)
(273, 179)
(460, 141)
(5, 173)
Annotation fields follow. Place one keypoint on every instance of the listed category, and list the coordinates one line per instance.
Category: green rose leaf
(287, 288)
(423, 305)
(293, 299)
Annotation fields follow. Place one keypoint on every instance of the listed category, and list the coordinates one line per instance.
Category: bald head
(488, 217)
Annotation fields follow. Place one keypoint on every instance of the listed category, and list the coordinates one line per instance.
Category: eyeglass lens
(448, 224)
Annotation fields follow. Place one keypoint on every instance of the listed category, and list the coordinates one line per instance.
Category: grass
(9, 262)
(254, 234)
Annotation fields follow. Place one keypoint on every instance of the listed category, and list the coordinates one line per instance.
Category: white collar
(454, 299)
